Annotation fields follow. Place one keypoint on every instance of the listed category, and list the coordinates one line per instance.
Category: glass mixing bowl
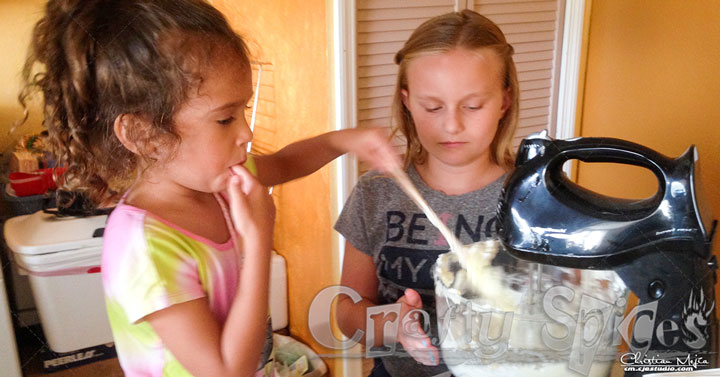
(544, 320)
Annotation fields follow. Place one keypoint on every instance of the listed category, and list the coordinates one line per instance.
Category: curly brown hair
(468, 30)
(99, 59)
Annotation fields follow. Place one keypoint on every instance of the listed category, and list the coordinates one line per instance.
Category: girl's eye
(226, 121)
(474, 107)
(433, 109)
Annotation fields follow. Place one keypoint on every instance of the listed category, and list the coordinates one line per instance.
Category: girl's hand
(411, 334)
(251, 208)
(371, 145)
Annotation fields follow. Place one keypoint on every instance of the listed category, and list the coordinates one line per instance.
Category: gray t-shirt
(380, 220)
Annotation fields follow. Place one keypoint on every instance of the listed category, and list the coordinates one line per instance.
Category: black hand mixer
(661, 246)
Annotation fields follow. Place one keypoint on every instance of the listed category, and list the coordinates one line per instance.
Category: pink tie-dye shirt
(149, 264)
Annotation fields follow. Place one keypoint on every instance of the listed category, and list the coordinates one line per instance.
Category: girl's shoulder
(126, 220)
(128, 224)
(372, 174)
(374, 180)
(125, 217)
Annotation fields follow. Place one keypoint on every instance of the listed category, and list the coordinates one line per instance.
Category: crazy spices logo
(576, 337)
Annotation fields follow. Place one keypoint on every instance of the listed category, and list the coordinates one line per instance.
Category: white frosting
(491, 292)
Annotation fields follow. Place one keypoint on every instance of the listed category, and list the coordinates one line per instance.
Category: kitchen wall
(652, 78)
(291, 35)
(17, 18)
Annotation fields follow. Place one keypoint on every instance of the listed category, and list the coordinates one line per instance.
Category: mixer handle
(601, 149)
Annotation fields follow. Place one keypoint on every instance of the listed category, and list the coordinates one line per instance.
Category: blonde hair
(471, 31)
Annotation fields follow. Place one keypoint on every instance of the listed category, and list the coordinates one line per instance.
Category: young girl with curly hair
(145, 103)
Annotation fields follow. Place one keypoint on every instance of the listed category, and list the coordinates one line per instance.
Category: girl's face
(212, 126)
(456, 99)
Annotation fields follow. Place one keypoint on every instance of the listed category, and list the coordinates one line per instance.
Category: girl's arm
(359, 274)
(306, 156)
(190, 331)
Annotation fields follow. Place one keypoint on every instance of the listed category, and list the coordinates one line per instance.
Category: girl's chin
(220, 183)
(460, 159)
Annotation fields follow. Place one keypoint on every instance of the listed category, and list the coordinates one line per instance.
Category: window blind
(532, 27)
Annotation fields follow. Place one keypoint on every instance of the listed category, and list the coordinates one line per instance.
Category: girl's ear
(404, 96)
(124, 125)
(507, 99)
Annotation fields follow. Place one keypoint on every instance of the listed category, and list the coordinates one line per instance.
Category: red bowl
(34, 183)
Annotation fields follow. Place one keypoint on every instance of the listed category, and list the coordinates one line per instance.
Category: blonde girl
(456, 104)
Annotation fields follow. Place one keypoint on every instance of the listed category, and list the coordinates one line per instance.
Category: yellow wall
(291, 34)
(652, 78)
(16, 20)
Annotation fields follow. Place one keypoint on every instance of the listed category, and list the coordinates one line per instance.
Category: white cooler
(61, 255)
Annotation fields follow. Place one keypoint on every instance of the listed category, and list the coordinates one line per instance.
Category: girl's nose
(244, 134)
(453, 123)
